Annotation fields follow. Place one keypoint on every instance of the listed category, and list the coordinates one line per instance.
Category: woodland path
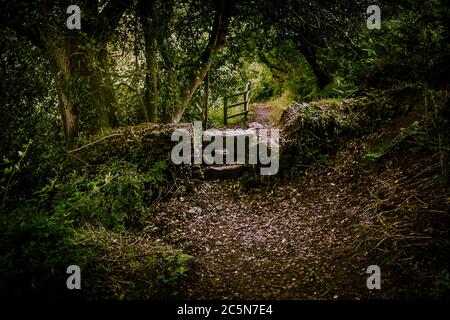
(288, 242)
(259, 244)
(262, 114)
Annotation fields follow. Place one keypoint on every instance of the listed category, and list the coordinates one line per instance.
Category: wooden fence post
(247, 99)
(225, 103)
(246, 102)
(205, 122)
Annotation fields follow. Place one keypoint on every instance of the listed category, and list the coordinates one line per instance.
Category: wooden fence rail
(245, 103)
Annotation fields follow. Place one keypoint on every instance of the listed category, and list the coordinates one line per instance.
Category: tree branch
(224, 9)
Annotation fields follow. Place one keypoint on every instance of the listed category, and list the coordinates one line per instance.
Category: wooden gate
(245, 103)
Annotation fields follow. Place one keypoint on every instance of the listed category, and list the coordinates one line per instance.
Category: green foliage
(215, 116)
(441, 287)
(279, 104)
(27, 96)
(172, 265)
(282, 68)
(265, 86)
(338, 88)
(376, 153)
(36, 250)
(145, 268)
(10, 169)
(115, 197)
(317, 129)
(40, 234)
(411, 32)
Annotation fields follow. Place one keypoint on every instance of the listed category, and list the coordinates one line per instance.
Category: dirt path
(259, 244)
(263, 114)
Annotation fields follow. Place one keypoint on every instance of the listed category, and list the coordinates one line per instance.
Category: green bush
(38, 234)
(410, 46)
(36, 250)
(114, 197)
(172, 265)
(266, 87)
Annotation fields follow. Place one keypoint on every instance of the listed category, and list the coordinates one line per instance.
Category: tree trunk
(203, 64)
(101, 90)
(79, 57)
(171, 94)
(193, 83)
(206, 106)
(86, 92)
(151, 87)
(68, 117)
(147, 15)
(322, 77)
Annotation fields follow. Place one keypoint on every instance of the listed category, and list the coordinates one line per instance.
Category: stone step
(234, 135)
(224, 171)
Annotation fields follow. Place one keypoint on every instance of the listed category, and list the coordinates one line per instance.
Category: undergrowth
(84, 218)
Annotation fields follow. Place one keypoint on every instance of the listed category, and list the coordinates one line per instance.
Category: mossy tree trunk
(79, 57)
(147, 15)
